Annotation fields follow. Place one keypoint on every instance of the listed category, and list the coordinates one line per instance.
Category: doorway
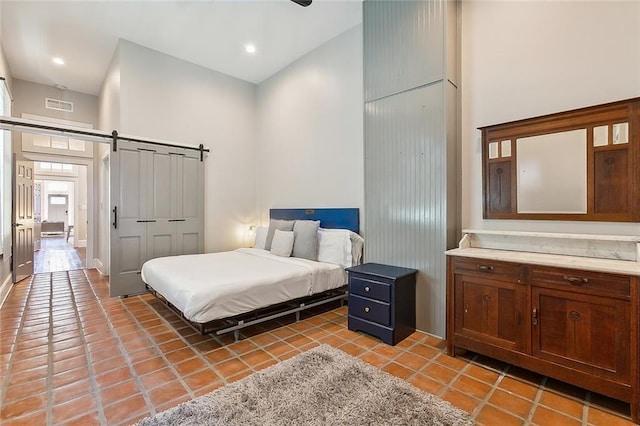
(60, 204)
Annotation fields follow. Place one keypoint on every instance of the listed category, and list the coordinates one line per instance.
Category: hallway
(56, 255)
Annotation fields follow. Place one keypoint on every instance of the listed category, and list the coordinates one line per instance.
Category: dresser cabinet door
(585, 332)
(490, 311)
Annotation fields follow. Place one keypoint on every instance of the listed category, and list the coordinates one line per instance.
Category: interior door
(22, 235)
(129, 194)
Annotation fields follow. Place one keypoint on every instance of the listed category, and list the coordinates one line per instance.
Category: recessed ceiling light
(250, 48)
(58, 61)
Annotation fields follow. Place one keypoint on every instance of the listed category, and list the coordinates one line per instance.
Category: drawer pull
(366, 309)
(576, 280)
(485, 268)
(367, 289)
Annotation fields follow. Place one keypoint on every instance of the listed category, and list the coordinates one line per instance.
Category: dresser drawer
(490, 268)
(593, 282)
(369, 288)
(370, 309)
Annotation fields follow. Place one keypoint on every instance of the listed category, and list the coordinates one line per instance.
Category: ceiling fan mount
(303, 3)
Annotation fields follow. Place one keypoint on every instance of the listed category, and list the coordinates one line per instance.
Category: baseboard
(97, 263)
(5, 288)
(80, 243)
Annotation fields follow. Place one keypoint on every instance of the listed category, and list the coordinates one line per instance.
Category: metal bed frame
(236, 323)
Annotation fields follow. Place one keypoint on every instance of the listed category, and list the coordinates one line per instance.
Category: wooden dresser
(382, 301)
(572, 318)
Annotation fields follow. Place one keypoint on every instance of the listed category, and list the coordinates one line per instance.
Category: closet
(157, 208)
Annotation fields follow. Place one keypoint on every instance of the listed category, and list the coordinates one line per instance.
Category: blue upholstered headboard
(329, 218)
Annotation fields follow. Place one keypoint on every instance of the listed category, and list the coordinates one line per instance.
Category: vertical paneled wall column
(411, 143)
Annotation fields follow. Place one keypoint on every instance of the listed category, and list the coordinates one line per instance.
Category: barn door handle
(115, 217)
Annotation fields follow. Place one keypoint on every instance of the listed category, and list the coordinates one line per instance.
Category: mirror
(550, 167)
(574, 165)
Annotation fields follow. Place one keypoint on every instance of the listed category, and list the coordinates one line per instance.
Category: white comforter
(211, 286)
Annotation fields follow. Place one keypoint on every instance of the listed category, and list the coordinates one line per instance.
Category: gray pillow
(305, 244)
(283, 225)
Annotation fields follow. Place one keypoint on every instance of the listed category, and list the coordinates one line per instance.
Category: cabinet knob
(367, 309)
(367, 289)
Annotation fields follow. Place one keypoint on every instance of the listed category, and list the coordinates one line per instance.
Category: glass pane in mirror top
(505, 148)
(493, 150)
(620, 133)
(601, 136)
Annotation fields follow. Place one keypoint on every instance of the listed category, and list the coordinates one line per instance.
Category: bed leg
(298, 312)
(236, 335)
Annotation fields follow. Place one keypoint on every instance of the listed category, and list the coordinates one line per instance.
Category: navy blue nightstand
(382, 301)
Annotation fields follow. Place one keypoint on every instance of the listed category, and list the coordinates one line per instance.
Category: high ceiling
(211, 33)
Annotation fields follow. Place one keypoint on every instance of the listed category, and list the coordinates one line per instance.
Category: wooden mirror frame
(613, 170)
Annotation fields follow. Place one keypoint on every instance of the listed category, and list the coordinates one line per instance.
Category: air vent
(58, 105)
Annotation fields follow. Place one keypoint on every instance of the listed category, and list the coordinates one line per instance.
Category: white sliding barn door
(188, 206)
(157, 193)
(128, 206)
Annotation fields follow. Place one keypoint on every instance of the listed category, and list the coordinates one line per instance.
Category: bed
(227, 291)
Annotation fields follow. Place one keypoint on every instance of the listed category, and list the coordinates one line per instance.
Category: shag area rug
(323, 386)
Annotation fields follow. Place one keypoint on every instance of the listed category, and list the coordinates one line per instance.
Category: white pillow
(340, 246)
(282, 243)
(261, 237)
(334, 247)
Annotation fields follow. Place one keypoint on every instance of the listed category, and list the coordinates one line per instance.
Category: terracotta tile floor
(69, 354)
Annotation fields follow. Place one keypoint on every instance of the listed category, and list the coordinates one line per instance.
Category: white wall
(524, 59)
(310, 130)
(29, 98)
(171, 99)
(109, 119)
(5, 238)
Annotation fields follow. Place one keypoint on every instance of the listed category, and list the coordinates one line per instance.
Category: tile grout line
(94, 383)
(485, 401)
(49, 383)
(536, 400)
(5, 382)
(586, 406)
(155, 346)
(123, 352)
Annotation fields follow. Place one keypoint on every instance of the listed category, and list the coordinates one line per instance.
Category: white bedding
(211, 286)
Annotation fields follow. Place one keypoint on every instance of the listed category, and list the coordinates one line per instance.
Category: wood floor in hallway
(56, 255)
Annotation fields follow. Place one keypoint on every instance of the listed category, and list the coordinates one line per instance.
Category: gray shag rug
(323, 386)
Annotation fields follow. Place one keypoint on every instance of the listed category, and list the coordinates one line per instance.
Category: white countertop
(575, 262)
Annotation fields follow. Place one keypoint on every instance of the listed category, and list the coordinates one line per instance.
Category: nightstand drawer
(370, 309)
(371, 289)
